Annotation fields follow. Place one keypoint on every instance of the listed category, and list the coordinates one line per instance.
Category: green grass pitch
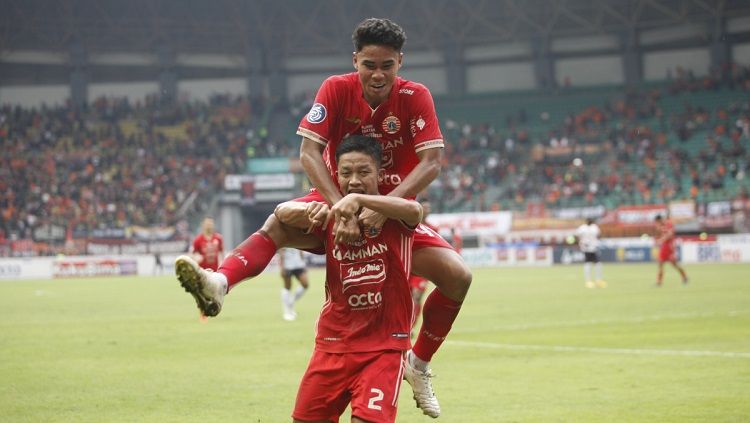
(530, 345)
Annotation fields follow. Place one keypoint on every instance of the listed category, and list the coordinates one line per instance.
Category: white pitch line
(626, 351)
(592, 322)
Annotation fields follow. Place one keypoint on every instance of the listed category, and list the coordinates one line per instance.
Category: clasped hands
(349, 218)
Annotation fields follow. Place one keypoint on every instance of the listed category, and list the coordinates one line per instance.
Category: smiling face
(377, 66)
(357, 173)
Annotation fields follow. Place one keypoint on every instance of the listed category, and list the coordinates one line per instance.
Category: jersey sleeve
(423, 122)
(196, 246)
(317, 124)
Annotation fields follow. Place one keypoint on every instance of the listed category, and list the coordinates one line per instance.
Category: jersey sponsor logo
(388, 178)
(366, 300)
(387, 160)
(390, 144)
(391, 124)
(317, 113)
(357, 274)
(369, 130)
(416, 124)
(406, 91)
(359, 253)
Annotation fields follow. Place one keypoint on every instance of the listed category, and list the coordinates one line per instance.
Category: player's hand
(317, 212)
(371, 221)
(346, 231)
(344, 214)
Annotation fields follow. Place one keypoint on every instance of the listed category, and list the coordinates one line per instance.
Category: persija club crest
(391, 124)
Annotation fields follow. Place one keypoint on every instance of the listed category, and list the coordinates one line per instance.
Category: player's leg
(452, 278)
(304, 283)
(598, 272)
(247, 260)
(376, 386)
(587, 272)
(209, 288)
(323, 392)
(660, 273)
(286, 296)
(680, 269)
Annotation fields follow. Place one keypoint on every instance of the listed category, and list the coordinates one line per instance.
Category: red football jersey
(209, 248)
(405, 124)
(666, 234)
(368, 303)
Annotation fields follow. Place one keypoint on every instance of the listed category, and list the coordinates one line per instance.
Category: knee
(456, 282)
(274, 229)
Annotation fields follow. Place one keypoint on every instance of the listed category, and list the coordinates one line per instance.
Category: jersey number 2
(378, 396)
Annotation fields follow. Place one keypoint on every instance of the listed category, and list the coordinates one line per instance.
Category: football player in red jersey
(665, 241)
(207, 248)
(363, 329)
(375, 102)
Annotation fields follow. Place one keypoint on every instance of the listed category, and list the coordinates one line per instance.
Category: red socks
(248, 259)
(438, 314)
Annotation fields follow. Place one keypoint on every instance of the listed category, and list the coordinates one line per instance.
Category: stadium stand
(97, 169)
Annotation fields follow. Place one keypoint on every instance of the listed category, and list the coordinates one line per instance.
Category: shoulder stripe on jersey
(304, 132)
(428, 144)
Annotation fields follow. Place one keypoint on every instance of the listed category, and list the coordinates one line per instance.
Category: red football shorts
(423, 235)
(370, 381)
(666, 252)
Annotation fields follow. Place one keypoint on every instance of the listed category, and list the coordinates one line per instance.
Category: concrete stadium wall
(35, 95)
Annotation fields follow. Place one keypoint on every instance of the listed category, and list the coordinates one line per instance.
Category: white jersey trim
(304, 132)
(426, 145)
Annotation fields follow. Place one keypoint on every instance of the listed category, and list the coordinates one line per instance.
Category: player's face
(208, 226)
(377, 67)
(357, 173)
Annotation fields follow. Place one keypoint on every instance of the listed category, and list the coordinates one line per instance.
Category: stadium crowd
(632, 149)
(118, 164)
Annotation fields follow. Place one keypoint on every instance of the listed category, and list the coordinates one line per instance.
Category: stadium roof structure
(290, 27)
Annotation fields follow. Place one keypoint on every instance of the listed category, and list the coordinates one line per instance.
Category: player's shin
(248, 259)
(438, 314)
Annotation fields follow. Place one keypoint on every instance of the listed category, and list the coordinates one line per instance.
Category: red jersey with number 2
(405, 124)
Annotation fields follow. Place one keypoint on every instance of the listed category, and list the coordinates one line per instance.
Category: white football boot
(421, 385)
(208, 288)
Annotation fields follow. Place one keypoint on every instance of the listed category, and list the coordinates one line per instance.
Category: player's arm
(301, 215)
(426, 171)
(311, 158)
(415, 182)
(407, 211)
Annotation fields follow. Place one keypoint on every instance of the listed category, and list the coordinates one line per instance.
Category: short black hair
(378, 31)
(362, 144)
(658, 218)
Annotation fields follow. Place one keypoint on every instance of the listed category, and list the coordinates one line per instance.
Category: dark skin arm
(417, 181)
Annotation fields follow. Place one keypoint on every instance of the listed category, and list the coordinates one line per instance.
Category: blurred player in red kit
(207, 248)
(665, 241)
